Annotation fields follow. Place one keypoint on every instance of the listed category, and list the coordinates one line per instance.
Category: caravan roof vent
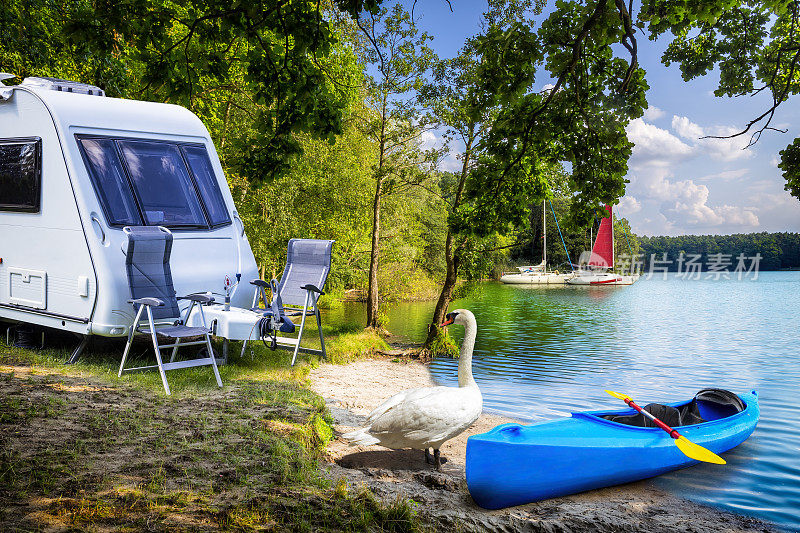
(54, 84)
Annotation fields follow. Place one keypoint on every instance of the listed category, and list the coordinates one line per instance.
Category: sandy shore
(353, 390)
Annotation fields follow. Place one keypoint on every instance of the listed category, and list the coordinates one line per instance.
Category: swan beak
(449, 319)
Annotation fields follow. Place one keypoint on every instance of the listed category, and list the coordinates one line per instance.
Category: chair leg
(160, 365)
(319, 329)
(300, 334)
(213, 361)
(125, 355)
(131, 333)
(175, 349)
(157, 349)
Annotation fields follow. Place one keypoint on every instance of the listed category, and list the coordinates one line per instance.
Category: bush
(443, 345)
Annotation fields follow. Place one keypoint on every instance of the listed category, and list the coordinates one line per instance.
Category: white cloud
(779, 210)
(653, 113)
(428, 140)
(721, 149)
(741, 216)
(688, 202)
(655, 145)
(451, 162)
(760, 185)
(726, 175)
(547, 88)
(629, 205)
(680, 205)
(683, 181)
(775, 161)
(686, 128)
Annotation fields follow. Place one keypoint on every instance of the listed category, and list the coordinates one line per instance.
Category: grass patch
(331, 300)
(443, 345)
(348, 347)
(81, 448)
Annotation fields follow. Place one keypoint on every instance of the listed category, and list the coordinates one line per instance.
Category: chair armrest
(260, 283)
(312, 288)
(152, 302)
(199, 297)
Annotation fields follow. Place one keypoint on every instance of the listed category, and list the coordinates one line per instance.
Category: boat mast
(611, 216)
(544, 229)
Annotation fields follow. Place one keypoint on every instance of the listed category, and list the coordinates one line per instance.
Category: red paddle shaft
(672, 433)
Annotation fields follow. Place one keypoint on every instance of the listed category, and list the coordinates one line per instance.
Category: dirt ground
(351, 391)
(82, 453)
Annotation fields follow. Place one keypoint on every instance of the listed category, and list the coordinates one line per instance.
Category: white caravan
(75, 168)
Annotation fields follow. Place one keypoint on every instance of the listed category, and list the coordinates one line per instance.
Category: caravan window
(162, 184)
(154, 183)
(20, 174)
(206, 180)
(110, 182)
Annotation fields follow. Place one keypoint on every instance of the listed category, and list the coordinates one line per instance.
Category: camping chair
(308, 262)
(152, 291)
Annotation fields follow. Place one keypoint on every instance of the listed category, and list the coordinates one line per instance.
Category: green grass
(443, 345)
(81, 448)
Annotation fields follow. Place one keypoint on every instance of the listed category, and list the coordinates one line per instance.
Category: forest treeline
(333, 119)
(775, 250)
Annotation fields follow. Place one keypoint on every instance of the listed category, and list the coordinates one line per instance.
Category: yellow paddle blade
(697, 452)
(619, 396)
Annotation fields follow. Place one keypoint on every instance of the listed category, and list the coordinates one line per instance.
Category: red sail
(603, 250)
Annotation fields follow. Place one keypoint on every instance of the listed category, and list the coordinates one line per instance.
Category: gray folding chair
(308, 262)
(152, 291)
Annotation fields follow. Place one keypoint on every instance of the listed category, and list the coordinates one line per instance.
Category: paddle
(689, 448)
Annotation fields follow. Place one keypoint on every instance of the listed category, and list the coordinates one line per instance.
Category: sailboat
(537, 274)
(599, 269)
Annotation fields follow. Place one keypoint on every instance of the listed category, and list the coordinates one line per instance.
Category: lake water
(544, 352)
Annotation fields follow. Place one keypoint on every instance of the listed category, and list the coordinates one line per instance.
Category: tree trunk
(451, 256)
(372, 292)
(374, 257)
(446, 296)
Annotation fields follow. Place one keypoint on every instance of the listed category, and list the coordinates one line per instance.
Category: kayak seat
(707, 405)
(690, 414)
(666, 413)
(713, 404)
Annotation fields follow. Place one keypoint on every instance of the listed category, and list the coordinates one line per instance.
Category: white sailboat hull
(536, 278)
(603, 278)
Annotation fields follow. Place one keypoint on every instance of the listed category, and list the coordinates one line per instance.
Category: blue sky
(679, 183)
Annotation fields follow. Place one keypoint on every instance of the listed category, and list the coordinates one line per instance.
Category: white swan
(427, 417)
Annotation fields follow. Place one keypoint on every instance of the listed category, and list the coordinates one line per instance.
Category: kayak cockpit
(708, 405)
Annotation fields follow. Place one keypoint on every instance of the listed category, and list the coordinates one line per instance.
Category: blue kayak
(515, 464)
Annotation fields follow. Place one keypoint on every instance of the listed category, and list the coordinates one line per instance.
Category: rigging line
(625, 234)
(560, 235)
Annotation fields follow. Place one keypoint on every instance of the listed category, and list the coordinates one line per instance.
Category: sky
(680, 184)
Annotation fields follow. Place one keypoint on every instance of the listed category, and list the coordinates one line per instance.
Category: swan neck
(465, 378)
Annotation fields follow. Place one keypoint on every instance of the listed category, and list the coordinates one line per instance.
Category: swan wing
(398, 398)
(427, 416)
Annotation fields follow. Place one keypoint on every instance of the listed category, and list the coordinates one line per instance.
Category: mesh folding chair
(153, 294)
(308, 262)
